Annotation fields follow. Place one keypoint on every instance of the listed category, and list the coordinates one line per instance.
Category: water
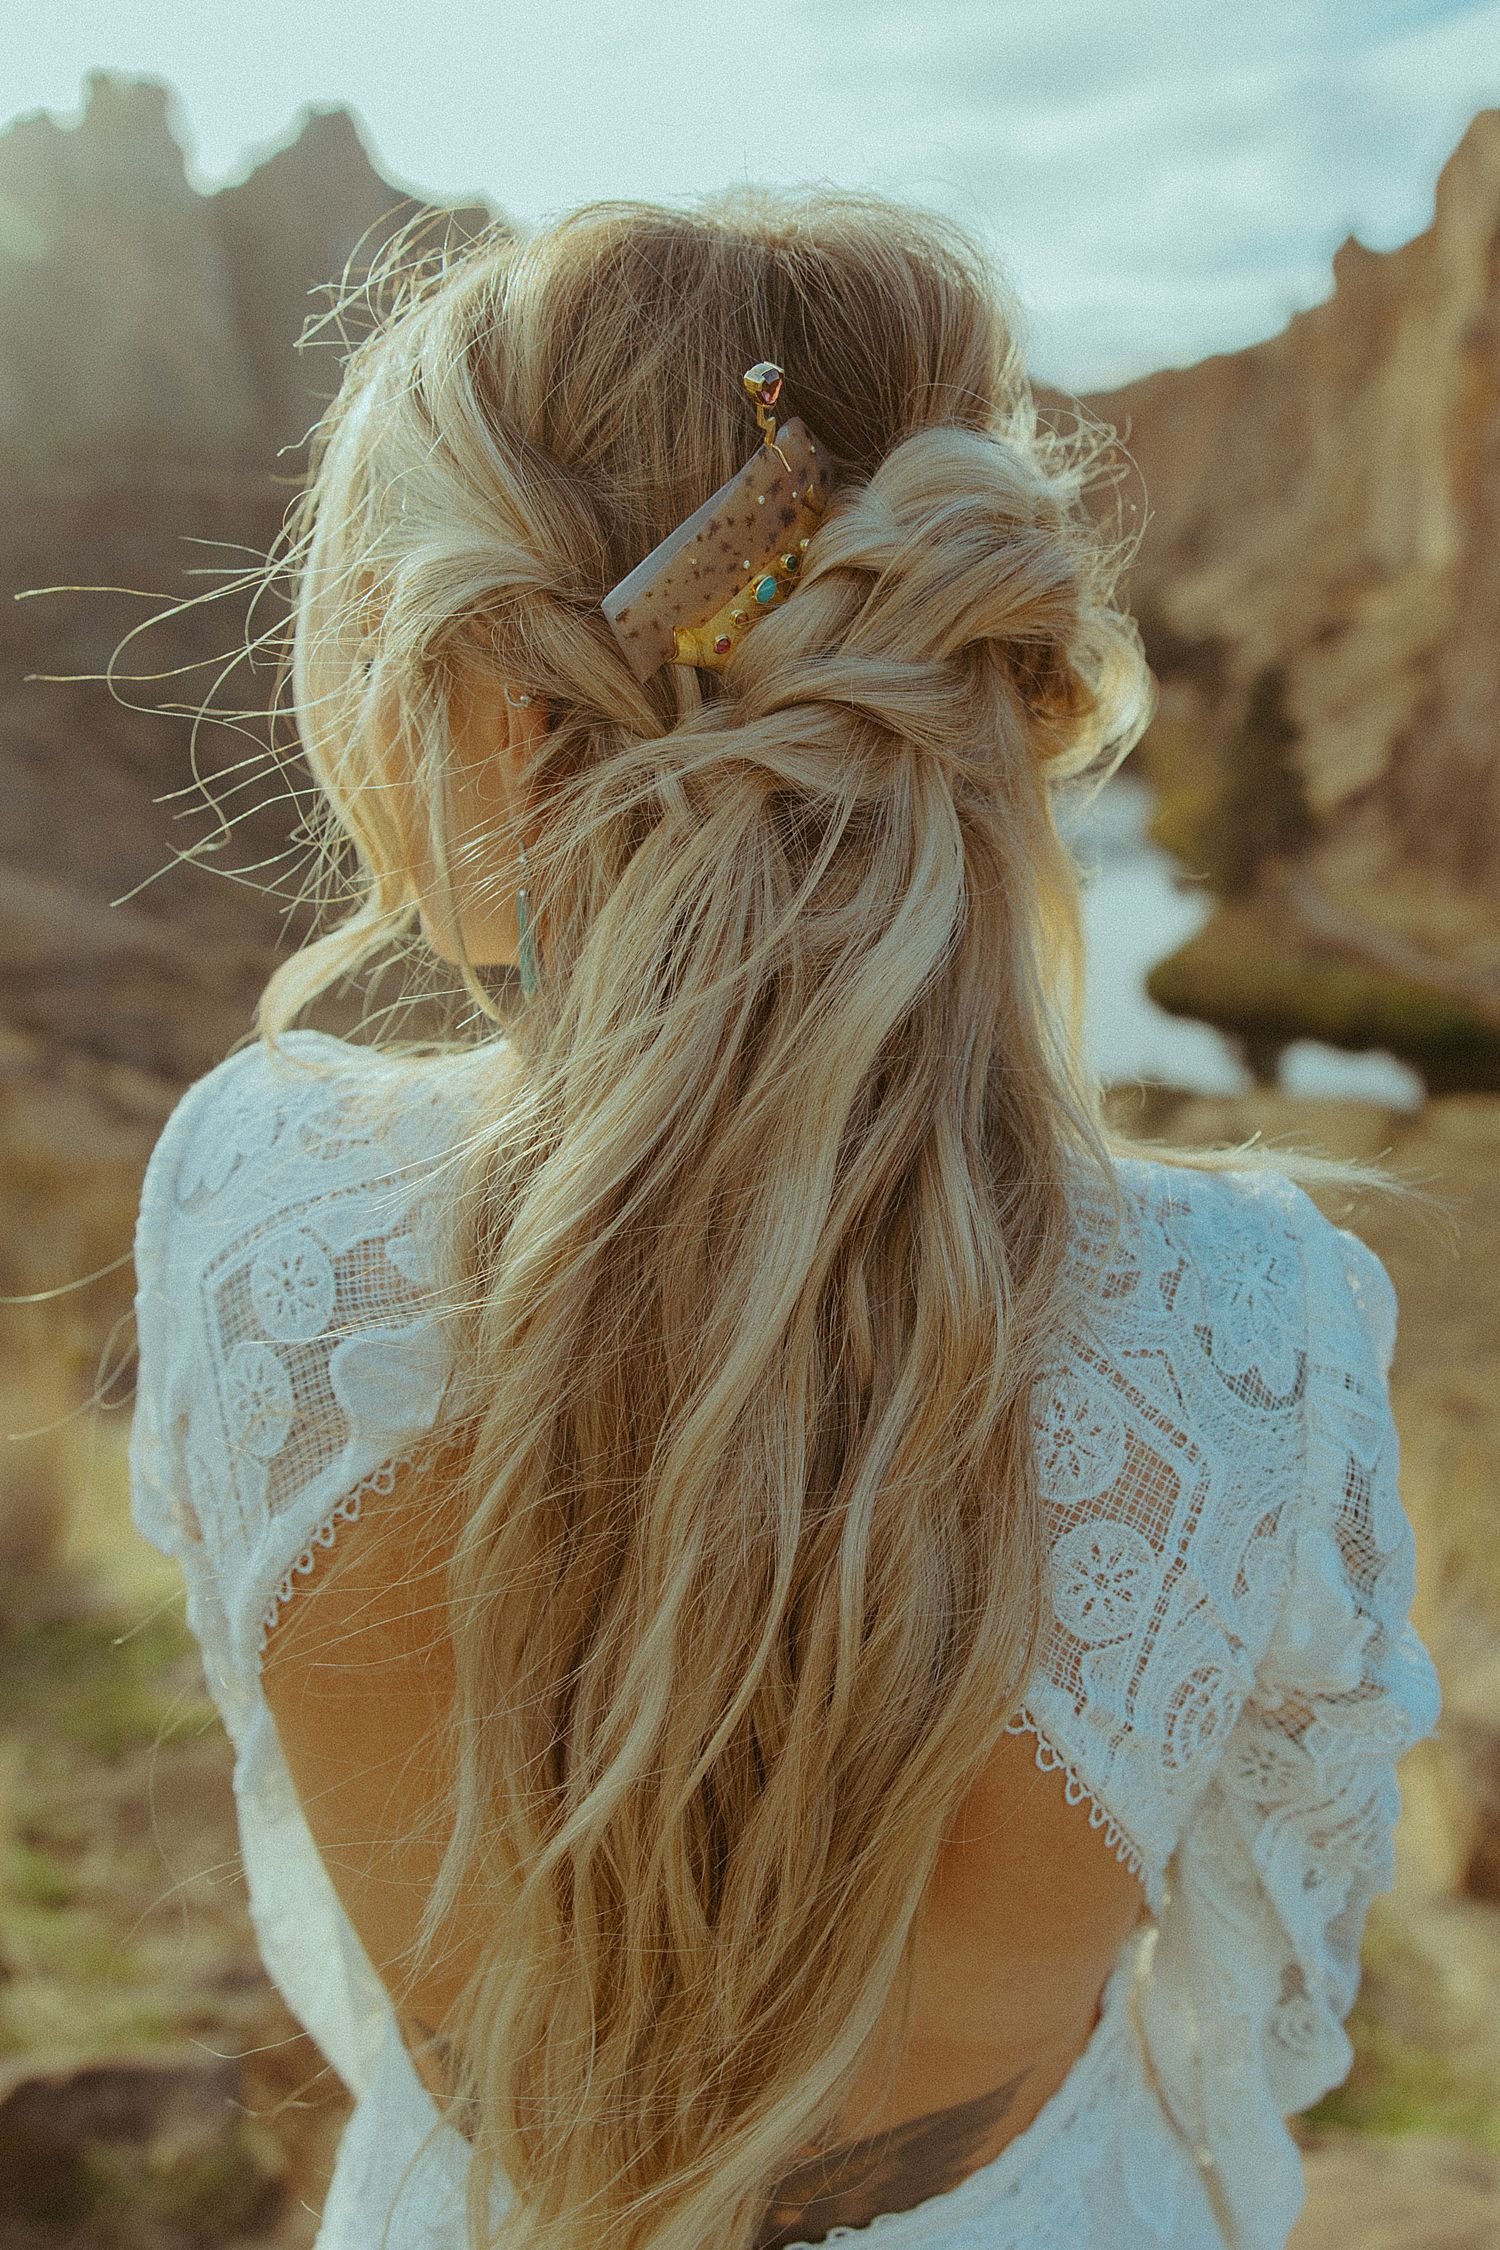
(1136, 911)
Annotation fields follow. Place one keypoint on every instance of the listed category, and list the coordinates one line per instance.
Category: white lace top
(1230, 1678)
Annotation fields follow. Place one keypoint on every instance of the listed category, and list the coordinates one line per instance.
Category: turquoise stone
(766, 590)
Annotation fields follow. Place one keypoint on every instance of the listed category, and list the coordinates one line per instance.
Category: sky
(1160, 178)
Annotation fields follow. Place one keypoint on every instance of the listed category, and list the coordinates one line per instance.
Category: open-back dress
(1229, 1677)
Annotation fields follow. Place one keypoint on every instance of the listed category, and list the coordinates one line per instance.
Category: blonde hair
(761, 1240)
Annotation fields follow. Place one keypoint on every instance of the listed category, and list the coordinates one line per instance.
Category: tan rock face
(1328, 503)
(152, 402)
(146, 327)
(151, 405)
(117, 316)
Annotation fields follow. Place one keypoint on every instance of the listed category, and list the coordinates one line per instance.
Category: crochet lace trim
(346, 1509)
(1076, 1789)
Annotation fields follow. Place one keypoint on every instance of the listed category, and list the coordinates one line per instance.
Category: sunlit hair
(761, 1238)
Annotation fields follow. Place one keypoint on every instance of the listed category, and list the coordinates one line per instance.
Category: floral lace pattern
(292, 1286)
(1104, 1573)
(1228, 1677)
(345, 1510)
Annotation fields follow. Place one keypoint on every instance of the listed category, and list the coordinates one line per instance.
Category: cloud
(1163, 178)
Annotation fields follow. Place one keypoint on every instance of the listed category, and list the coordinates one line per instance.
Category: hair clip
(695, 596)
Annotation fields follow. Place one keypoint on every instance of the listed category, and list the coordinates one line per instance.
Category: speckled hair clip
(695, 597)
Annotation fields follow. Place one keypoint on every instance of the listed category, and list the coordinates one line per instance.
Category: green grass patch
(35, 1878)
(105, 1686)
(1396, 2086)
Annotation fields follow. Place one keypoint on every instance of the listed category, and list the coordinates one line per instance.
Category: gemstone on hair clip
(691, 599)
(763, 382)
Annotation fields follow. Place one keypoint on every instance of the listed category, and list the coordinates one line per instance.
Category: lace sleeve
(155, 1482)
(306, 1942)
(1257, 1956)
(159, 1504)
(1346, 1688)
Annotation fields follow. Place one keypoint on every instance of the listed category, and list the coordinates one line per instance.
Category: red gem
(723, 645)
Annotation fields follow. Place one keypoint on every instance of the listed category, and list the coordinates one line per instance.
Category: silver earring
(525, 920)
(526, 930)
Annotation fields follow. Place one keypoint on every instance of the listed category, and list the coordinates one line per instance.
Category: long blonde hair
(761, 1240)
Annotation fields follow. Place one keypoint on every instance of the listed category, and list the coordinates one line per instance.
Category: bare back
(1021, 1926)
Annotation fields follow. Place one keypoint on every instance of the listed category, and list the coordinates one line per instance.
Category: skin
(853, 2182)
(492, 743)
(1020, 1926)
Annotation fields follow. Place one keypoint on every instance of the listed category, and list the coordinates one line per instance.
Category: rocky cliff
(152, 410)
(145, 328)
(1320, 587)
(1319, 582)
(152, 407)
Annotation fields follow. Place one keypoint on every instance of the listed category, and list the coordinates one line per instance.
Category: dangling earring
(526, 929)
(525, 925)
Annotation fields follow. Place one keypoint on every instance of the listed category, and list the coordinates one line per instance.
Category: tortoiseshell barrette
(696, 596)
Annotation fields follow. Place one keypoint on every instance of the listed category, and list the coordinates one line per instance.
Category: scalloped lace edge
(346, 1509)
(1076, 1789)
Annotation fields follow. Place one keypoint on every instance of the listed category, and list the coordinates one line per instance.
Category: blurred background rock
(1320, 588)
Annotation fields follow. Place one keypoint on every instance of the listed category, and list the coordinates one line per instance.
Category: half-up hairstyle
(762, 1237)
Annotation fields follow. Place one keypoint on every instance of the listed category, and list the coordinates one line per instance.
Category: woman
(813, 1641)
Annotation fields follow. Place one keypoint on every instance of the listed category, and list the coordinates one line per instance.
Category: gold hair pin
(695, 596)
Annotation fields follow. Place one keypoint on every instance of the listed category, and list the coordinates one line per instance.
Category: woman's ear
(495, 739)
(493, 742)
(496, 724)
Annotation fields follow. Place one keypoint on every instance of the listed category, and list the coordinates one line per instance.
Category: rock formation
(152, 406)
(151, 409)
(146, 329)
(1324, 539)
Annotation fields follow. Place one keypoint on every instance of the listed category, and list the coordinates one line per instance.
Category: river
(1137, 909)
